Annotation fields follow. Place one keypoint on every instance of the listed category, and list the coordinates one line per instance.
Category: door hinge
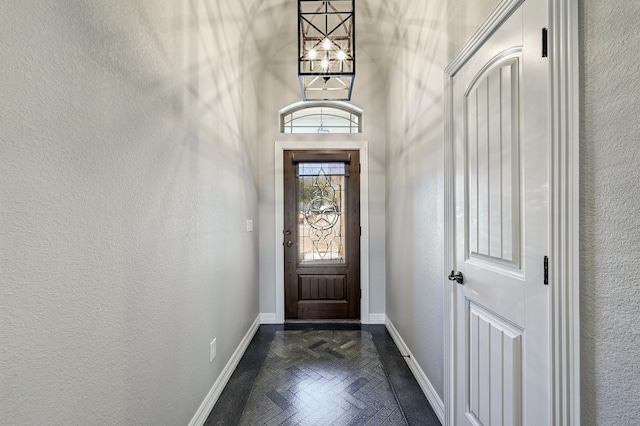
(545, 43)
(359, 167)
(361, 231)
(546, 270)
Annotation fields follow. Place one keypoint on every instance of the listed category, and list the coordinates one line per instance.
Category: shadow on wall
(415, 194)
(214, 56)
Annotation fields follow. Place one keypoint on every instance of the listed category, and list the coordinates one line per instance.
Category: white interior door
(501, 155)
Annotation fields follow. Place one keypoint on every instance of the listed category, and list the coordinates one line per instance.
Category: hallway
(322, 374)
(140, 157)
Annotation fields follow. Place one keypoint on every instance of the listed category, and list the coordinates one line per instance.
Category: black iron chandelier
(326, 49)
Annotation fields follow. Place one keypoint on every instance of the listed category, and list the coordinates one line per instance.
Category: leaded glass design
(321, 202)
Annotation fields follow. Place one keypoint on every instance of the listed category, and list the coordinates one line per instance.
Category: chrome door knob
(456, 277)
(289, 243)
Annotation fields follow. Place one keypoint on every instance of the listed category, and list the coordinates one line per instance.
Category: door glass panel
(320, 119)
(321, 208)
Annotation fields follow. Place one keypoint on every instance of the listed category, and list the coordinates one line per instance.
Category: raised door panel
(320, 287)
(494, 357)
(493, 164)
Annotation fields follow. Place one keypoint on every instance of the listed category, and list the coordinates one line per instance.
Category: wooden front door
(501, 311)
(321, 235)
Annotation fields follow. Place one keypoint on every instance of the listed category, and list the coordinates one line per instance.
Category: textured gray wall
(428, 35)
(610, 212)
(128, 164)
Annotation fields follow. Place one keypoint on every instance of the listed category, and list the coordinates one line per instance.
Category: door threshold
(322, 325)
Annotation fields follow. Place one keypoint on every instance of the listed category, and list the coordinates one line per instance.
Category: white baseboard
(421, 377)
(212, 397)
(269, 318)
(377, 318)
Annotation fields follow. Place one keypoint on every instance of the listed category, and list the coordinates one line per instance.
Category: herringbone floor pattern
(322, 377)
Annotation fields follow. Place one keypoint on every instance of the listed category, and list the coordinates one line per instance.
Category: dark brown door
(322, 234)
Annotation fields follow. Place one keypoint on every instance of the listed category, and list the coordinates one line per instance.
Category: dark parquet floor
(312, 374)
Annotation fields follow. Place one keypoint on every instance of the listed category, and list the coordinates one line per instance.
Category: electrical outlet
(249, 225)
(212, 350)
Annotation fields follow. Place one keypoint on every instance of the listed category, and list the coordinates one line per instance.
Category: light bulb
(325, 63)
(312, 54)
(326, 44)
(342, 55)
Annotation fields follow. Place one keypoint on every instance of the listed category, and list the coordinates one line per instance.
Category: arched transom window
(321, 117)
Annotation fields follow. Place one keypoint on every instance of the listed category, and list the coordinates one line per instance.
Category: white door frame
(564, 220)
(363, 147)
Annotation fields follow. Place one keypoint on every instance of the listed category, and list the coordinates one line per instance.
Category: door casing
(564, 205)
(363, 147)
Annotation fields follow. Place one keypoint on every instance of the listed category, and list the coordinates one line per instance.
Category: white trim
(500, 14)
(564, 223)
(379, 319)
(363, 147)
(346, 106)
(212, 397)
(449, 255)
(565, 212)
(268, 318)
(427, 388)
